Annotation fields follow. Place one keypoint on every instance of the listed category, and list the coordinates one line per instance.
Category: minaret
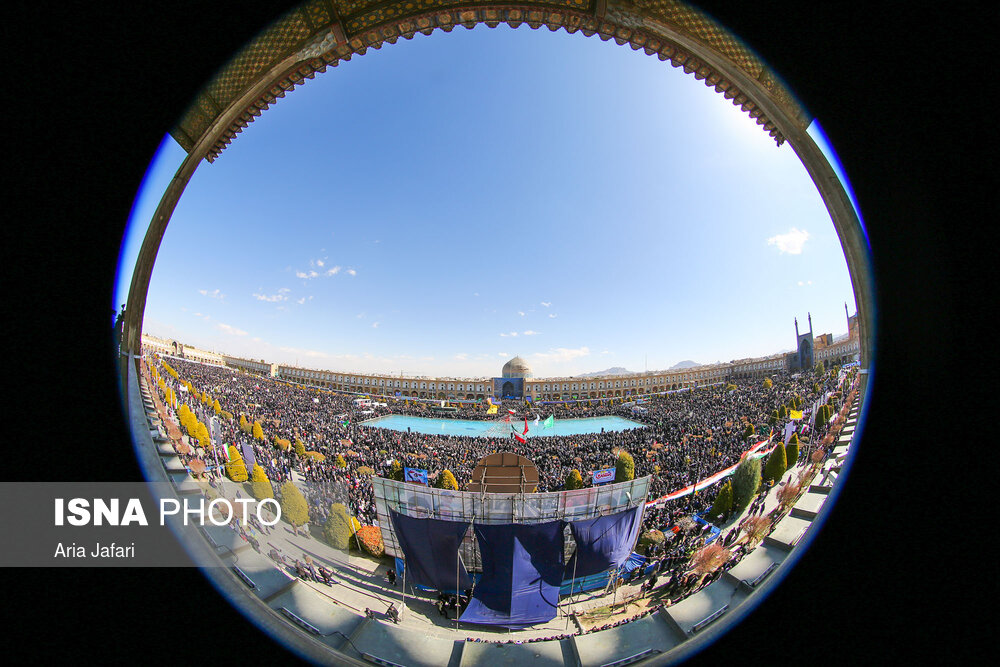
(796, 329)
(847, 314)
(809, 315)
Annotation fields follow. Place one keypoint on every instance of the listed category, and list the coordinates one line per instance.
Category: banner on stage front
(606, 475)
(415, 475)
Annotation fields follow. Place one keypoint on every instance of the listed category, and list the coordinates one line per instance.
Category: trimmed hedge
(723, 504)
(746, 482)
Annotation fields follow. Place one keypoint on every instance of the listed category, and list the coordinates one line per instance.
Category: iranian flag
(518, 436)
(510, 411)
(525, 426)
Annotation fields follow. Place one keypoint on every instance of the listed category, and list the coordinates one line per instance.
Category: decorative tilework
(371, 23)
(382, 12)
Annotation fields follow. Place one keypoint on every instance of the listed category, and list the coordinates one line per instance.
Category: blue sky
(438, 206)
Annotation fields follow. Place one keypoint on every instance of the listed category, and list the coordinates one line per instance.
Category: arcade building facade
(517, 381)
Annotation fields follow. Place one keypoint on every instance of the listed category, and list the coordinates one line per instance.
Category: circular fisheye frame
(417, 377)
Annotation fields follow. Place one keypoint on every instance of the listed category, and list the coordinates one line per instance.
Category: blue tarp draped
(431, 550)
(522, 571)
(713, 531)
(604, 542)
(600, 580)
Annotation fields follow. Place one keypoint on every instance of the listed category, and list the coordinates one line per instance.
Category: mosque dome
(516, 368)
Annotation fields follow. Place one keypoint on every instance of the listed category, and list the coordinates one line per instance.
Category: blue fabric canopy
(522, 571)
(605, 542)
(431, 550)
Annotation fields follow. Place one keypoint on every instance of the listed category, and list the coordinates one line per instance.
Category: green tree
(396, 471)
(746, 482)
(573, 480)
(624, 467)
(767, 383)
(258, 432)
(782, 412)
(244, 424)
(300, 449)
(776, 464)
(260, 485)
(236, 469)
(216, 406)
(792, 451)
(748, 431)
(723, 504)
(294, 508)
(337, 529)
(340, 462)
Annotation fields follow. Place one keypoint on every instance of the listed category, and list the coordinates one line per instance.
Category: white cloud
(274, 298)
(282, 290)
(546, 303)
(374, 325)
(319, 263)
(233, 331)
(791, 242)
(306, 276)
(508, 335)
(214, 294)
(475, 294)
(553, 315)
(360, 316)
(803, 284)
(333, 270)
(529, 332)
(521, 313)
(462, 356)
(563, 354)
(352, 272)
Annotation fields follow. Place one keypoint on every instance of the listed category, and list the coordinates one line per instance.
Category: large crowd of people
(686, 436)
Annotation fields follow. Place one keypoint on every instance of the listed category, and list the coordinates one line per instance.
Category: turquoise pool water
(439, 426)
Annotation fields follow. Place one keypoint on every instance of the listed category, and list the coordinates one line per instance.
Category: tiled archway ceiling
(322, 33)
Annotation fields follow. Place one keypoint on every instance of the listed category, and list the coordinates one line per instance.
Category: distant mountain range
(618, 370)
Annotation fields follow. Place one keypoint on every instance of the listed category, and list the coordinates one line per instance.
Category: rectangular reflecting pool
(493, 429)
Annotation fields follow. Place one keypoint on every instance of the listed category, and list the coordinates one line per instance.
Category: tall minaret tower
(809, 315)
(796, 329)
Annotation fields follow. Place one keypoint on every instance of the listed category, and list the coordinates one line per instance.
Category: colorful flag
(550, 422)
(525, 426)
(511, 411)
(492, 410)
(518, 436)
(417, 475)
(795, 414)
